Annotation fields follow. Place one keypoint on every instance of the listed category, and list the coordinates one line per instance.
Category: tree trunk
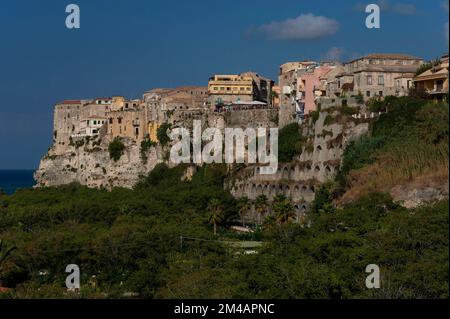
(215, 229)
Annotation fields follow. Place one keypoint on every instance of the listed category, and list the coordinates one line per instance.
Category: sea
(12, 180)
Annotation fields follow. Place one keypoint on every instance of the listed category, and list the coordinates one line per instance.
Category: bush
(145, 147)
(161, 133)
(116, 148)
(314, 116)
(289, 142)
(329, 119)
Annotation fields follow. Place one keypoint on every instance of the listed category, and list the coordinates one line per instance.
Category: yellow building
(127, 118)
(435, 80)
(153, 130)
(227, 89)
(231, 84)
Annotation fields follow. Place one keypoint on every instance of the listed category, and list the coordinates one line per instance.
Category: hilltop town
(328, 100)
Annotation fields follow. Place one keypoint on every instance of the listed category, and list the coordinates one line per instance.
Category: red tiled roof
(71, 102)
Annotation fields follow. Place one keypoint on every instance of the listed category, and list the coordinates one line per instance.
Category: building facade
(245, 87)
(435, 80)
(376, 75)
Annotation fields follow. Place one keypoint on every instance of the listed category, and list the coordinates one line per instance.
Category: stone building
(72, 120)
(127, 118)
(66, 122)
(375, 75)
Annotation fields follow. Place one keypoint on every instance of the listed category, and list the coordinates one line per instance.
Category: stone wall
(319, 161)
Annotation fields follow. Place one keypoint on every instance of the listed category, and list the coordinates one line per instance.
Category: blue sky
(127, 47)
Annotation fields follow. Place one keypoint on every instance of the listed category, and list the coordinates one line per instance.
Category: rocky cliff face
(327, 134)
(88, 161)
(90, 164)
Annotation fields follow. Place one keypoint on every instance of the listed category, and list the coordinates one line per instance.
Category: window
(368, 93)
(408, 84)
(119, 120)
(369, 80)
(110, 121)
(380, 93)
(381, 80)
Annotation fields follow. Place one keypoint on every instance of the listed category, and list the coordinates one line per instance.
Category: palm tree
(244, 207)
(269, 222)
(261, 206)
(283, 209)
(215, 213)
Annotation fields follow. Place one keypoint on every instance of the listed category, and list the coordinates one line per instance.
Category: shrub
(329, 119)
(116, 148)
(314, 116)
(348, 110)
(289, 142)
(145, 146)
(161, 133)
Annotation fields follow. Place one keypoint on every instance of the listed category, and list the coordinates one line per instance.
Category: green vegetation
(406, 144)
(290, 142)
(329, 119)
(146, 145)
(314, 116)
(161, 133)
(169, 238)
(427, 66)
(157, 241)
(116, 148)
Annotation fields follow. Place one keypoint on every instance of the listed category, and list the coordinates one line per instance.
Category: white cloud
(333, 54)
(305, 26)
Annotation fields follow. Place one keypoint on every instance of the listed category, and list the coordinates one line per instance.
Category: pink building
(308, 82)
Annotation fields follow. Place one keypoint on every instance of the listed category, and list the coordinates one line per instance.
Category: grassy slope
(408, 145)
